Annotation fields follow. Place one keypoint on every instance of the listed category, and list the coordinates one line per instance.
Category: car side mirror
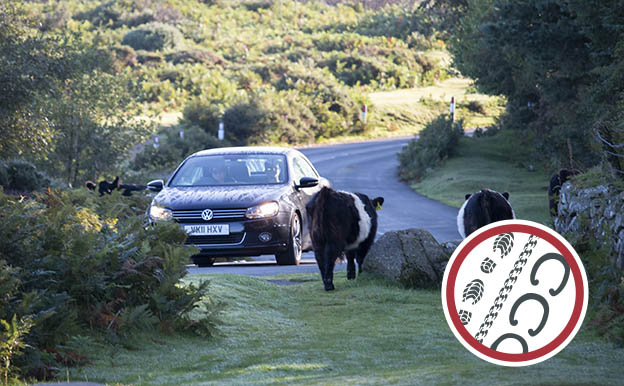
(307, 182)
(156, 185)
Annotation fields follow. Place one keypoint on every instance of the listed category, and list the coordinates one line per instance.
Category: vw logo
(207, 214)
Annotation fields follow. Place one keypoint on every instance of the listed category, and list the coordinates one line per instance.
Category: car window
(301, 168)
(232, 169)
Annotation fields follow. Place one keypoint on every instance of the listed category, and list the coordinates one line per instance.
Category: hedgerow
(72, 264)
(436, 142)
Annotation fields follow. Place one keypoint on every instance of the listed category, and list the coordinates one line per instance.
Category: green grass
(497, 163)
(368, 331)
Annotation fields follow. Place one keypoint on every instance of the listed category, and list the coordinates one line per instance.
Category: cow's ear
(378, 202)
(506, 195)
(467, 196)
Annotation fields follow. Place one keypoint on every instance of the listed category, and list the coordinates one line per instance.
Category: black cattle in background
(341, 222)
(483, 208)
(129, 188)
(105, 187)
(554, 188)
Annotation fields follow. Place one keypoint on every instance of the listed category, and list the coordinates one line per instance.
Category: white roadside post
(221, 132)
(181, 134)
(156, 141)
(452, 109)
(363, 113)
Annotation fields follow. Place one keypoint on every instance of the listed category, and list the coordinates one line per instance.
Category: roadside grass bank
(498, 162)
(368, 331)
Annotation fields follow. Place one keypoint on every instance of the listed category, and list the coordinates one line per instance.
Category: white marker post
(156, 141)
(452, 109)
(221, 132)
(181, 134)
(363, 114)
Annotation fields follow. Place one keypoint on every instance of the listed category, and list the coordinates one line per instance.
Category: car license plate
(207, 230)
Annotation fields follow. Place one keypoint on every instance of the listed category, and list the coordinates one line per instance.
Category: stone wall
(598, 212)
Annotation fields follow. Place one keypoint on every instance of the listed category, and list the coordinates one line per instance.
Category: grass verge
(368, 331)
(498, 163)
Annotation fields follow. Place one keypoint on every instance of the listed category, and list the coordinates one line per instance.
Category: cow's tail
(321, 222)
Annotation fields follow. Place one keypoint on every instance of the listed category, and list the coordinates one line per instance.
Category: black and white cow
(483, 208)
(341, 222)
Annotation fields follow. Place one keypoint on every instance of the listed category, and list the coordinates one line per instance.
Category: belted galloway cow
(341, 222)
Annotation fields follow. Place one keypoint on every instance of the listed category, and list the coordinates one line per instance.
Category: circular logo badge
(207, 215)
(514, 293)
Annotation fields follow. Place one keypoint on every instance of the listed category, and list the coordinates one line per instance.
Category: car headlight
(268, 209)
(159, 213)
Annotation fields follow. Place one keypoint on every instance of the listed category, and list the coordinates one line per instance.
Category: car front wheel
(292, 255)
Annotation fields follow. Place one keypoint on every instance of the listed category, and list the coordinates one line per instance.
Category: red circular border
(574, 268)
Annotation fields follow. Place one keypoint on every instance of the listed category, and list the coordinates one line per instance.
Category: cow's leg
(361, 253)
(351, 264)
(318, 255)
(330, 254)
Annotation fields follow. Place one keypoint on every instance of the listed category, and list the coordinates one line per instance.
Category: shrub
(74, 263)
(125, 55)
(476, 107)
(437, 141)
(173, 149)
(242, 123)
(154, 37)
(489, 131)
(610, 135)
(195, 56)
(149, 58)
(22, 176)
(103, 14)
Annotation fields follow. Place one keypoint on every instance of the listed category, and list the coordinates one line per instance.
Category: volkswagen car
(240, 201)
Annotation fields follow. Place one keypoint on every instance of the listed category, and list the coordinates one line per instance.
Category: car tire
(292, 255)
(203, 262)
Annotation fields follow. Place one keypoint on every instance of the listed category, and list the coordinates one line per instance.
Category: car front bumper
(244, 238)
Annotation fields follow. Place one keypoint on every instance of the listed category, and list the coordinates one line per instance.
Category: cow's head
(378, 202)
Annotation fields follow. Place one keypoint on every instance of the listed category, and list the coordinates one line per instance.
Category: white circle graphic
(514, 293)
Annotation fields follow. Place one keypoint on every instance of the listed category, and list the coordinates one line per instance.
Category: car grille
(193, 216)
(235, 238)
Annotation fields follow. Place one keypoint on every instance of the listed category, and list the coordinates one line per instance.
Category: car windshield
(232, 169)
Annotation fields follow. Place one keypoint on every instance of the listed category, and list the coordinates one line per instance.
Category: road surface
(368, 167)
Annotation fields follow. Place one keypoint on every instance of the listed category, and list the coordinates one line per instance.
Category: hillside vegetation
(272, 71)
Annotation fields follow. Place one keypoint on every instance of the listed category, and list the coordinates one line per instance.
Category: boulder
(412, 257)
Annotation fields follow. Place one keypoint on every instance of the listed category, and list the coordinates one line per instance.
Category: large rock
(411, 256)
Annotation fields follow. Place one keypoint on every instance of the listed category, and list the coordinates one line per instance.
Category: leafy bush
(22, 176)
(173, 149)
(436, 142)
(242, 123)
(610, 136)
(487, 132)
(476, 107)
(195, 56)
(154, 37)
(73, 263)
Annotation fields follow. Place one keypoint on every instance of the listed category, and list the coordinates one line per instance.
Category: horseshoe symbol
(566, 274)
(525, 347)
(522, 299)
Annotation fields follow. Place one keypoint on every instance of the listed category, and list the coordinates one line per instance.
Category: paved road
(371, 168)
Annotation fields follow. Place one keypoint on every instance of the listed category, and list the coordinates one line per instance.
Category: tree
(94, 125)
(60, 101)
(534, 53)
